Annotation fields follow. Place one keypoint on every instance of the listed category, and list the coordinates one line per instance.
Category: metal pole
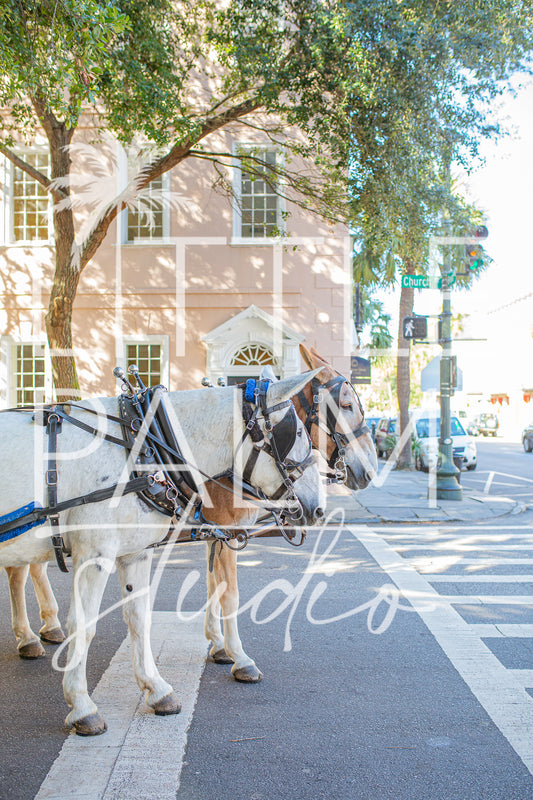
(448, 487)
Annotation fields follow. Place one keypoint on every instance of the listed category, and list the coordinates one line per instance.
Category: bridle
(336, 461)
(276, 440)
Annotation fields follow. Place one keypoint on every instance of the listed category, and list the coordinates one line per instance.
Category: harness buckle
(51, 477)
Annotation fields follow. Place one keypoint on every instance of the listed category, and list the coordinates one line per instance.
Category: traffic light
(474, 252)
(415, 327)
(473, 256)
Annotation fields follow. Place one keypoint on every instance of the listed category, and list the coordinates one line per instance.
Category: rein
(336, 461)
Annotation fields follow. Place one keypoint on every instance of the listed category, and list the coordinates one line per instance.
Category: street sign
(420, 282)
(360, 370)
(415, 327)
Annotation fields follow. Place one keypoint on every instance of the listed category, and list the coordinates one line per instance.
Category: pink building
(198, 286)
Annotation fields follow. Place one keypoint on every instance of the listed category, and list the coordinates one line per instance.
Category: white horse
(118, 532)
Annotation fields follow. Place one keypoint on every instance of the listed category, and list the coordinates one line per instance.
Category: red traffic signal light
(481, 232)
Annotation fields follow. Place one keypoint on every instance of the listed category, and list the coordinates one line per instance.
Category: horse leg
(51, 629)
(212, 626)
(134, 573)
(225, 574)
(89, 581)
(28, 643)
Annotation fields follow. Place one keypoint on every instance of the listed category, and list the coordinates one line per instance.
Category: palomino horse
(119, 529)
(338, 415)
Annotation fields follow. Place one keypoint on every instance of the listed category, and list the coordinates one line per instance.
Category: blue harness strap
(18, 514)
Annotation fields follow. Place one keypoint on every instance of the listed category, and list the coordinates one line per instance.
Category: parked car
(484, 424)
(385, 436)
(527, 438)
(427, 427)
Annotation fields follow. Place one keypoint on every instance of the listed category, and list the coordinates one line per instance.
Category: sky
(500, 303)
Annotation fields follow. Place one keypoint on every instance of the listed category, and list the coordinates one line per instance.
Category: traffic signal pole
(448, 487)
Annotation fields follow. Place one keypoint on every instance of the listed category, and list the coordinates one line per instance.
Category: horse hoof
(220, 657)
(53, 636)
(32, 650)
(167, 705)
(248, 674)
(91, 725)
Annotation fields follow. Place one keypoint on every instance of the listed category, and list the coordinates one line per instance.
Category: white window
(28, 205)
(150, 354)
(148, 217)
(30, 374)
(258, 210)
(147, 220)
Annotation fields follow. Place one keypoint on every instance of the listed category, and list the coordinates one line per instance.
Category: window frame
(237, 237)
(8, 367)
(127, 164)
(8, 233)
(149, 339)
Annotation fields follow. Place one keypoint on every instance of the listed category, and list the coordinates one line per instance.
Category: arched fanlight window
(253, 355)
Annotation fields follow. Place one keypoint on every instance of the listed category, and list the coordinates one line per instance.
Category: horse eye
(348, 407)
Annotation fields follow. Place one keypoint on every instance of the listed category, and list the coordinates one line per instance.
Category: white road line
(498, 599)
(497, 689)
(486, 488)
(490, 561)
(114, 766)
(471, 538)
(524, 676)
(467, 548)
(446, 527)
(451, 578)
(513, 630)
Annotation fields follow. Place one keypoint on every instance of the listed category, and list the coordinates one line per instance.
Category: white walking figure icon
(409, 328)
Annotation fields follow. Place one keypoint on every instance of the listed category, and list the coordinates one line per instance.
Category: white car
(426, 428)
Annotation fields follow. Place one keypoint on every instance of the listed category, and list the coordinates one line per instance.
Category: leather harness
(162, 477)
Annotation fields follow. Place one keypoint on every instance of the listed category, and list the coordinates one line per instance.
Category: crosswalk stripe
(501, 693)
(114, 765)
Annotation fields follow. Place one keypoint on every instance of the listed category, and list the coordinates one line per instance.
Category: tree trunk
(403, 376)
(66, 278)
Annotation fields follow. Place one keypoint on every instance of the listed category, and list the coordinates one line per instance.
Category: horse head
(340, 420)
(289, 445)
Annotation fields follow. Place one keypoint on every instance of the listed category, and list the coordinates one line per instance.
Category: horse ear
(306, 355)
(317, 358)
(288, 387)
(267, 374)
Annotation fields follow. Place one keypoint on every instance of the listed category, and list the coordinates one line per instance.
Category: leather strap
(53, 426)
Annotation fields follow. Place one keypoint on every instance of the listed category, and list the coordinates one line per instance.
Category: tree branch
(45, 182)
(176, 154)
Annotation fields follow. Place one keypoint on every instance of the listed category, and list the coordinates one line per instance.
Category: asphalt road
(360, 700)
(503, 468)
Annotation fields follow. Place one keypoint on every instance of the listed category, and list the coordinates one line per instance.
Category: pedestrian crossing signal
(415, 327)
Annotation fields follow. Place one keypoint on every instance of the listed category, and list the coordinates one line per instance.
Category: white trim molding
(253, 325)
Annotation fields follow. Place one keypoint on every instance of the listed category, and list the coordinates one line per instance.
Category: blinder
(340, 439)
(280, 438)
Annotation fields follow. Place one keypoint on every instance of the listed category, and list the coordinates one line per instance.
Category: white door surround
(253, 326)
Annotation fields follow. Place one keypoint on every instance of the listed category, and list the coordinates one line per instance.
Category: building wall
(183, 285)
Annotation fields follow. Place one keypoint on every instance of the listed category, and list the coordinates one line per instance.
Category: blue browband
(249, 390)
